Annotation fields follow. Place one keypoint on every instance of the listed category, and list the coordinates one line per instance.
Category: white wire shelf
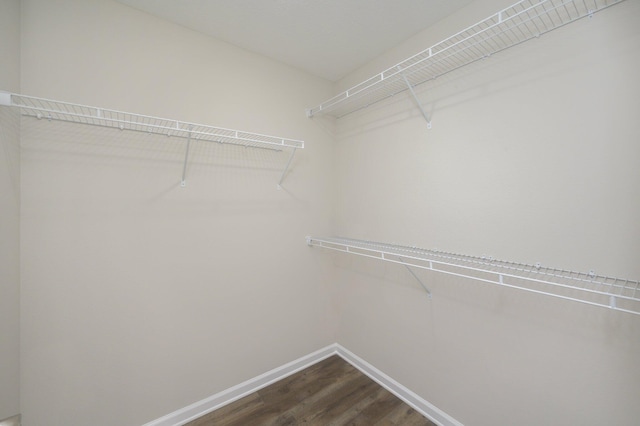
(590, 288)
(48, 109)
(63, 111)
(522, 21)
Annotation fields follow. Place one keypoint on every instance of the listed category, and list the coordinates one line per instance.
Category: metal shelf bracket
(415, 98)
(5, 98)
(183, 182)
(417, 278)
(286, 167)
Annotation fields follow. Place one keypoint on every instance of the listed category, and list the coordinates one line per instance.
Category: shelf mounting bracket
(415, 98)
(183, 182)
(5, 99)
(284, 172)
(416, 277)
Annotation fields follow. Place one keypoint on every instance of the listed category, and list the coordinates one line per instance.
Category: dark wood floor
(331, 392)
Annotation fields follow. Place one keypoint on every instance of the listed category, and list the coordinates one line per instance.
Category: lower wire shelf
(589, 288)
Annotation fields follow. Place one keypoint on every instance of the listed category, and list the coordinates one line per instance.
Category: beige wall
(140, 297)
(9, 213)
(532, 158)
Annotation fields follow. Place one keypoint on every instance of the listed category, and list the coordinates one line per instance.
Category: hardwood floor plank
(343, 396)
(329, 393)
(314, 403)
(405, 416)
(243, 408)
(414, 418)
(306, 383)
(300, 403)
(371, 409)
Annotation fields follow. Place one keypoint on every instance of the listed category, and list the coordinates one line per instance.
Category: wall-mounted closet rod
(588, 288)
(518, 23)
(41, 108)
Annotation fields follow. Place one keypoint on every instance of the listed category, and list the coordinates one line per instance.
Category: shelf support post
(284, 172)
(183, 183)
(415, 98)
(417, 278)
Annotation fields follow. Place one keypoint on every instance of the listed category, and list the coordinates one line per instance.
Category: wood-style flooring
(331, 392)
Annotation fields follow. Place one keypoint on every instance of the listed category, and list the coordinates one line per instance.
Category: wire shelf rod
(613, 290)
(95, 116)
(149, 129)
(530, 269)
(500, 280)
(90, 115)
(509, 27)
(487, 262)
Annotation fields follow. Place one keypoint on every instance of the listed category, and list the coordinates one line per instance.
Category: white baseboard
(205, 406)
(422, 406)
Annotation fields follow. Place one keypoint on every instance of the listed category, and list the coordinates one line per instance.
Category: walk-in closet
(331, 212)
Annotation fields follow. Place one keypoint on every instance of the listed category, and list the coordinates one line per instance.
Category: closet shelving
(48, 109)
(522, 21)
(590, 288)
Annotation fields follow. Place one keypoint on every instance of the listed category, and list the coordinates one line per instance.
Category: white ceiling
(328, 38)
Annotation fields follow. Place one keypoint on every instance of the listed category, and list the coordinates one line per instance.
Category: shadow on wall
(103, 147)
(11, 421)
(548, 313)
(10, 145)
(538, 59)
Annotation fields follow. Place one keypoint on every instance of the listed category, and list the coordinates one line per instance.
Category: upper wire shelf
(512, 26)
(95, 116)
(83, 114)
(590, 288)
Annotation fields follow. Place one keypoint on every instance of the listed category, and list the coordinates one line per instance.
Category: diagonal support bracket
(415, 98)
(183, 182)
(417, 278)
(284, 172)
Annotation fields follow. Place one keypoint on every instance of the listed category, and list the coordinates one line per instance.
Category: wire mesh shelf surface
(589, 288)
(83, 114)
(524, 20)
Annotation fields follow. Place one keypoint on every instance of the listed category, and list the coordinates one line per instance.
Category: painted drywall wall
(532, 158)
(140, 297)
(10, 213)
